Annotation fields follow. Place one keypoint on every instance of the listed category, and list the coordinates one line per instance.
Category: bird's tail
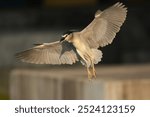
(97, 55)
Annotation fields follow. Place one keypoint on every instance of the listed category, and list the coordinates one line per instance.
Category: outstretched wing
(102, 30)
(50, 53)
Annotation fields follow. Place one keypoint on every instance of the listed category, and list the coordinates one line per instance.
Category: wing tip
(18, 55)
(120, 5)
(23, 56)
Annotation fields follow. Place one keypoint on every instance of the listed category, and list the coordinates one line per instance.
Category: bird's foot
(92, 73)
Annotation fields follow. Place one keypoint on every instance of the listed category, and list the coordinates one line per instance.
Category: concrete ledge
(112, 82)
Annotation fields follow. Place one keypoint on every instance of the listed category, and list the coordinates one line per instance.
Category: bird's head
(67, 35)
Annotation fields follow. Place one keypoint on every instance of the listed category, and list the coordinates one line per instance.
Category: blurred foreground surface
(112, 82)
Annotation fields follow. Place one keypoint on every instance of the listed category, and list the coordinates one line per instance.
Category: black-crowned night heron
(80, 46)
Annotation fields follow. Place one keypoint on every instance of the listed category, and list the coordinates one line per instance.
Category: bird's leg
(93, 70)
(89, 73)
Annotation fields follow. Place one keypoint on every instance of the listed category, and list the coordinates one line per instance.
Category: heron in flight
(80, 46)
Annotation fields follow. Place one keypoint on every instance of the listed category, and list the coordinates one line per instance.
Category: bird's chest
(80, 45)
(83, 50)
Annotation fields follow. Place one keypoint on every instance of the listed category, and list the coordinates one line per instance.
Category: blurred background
(25, 22)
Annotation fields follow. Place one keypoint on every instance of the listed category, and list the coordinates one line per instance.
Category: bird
(84, 45)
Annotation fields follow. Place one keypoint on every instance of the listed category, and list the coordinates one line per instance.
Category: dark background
(24, 22)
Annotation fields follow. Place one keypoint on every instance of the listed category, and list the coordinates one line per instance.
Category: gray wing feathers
(102, 30)
(50, 53)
